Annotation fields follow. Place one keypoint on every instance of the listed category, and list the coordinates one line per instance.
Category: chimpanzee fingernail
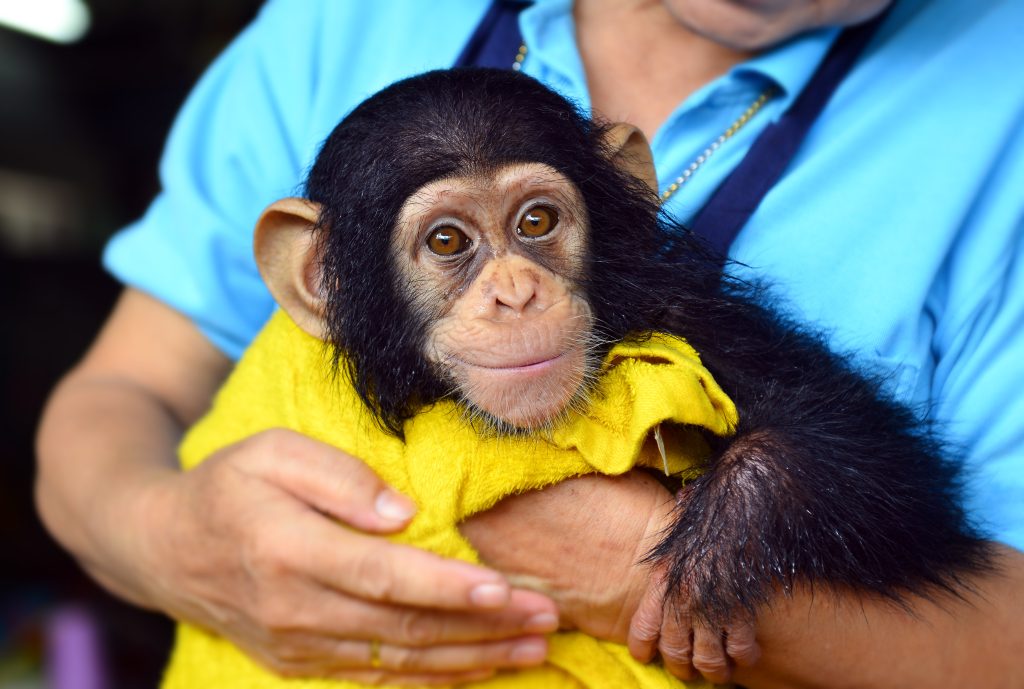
(393, 506)
(489, 595)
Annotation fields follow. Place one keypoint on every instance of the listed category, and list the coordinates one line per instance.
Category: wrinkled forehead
(498, 185)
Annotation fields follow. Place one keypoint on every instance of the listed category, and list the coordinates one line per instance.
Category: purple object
(74, 655)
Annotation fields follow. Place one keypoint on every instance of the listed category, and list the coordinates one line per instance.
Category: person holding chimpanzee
(863, 229)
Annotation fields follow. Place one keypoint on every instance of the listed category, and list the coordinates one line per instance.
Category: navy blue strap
(496, 39)
(736, 199)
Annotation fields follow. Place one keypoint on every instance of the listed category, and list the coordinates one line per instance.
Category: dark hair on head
(436, 125)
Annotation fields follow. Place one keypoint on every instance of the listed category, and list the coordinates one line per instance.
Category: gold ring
(375, 654)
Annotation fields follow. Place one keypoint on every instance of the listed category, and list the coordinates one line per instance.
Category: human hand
(581, 542)
(250, 547)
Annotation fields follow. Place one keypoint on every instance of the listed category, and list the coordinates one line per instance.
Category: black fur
(828, 481)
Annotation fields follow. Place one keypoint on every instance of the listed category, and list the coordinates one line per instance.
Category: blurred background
(88, 90)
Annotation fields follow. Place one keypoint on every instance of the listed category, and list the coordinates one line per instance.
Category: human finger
(377, 677)
(709, 657)
(353, 661)
(372, 569)
(512, 653)
(344, 617)
(330, 480)
(326, 614)
(325, 657)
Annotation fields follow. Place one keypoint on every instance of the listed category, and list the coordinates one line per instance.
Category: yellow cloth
(452, 472)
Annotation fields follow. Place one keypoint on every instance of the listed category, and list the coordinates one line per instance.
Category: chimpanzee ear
(631, 153)
(286, 253)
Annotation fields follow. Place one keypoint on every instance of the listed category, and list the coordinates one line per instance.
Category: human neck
(640, 62)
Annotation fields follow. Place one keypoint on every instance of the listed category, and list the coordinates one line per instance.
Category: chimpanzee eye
(447, 241)
(537, 221)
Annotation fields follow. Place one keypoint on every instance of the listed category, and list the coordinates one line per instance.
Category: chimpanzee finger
(676, 645)
(709, 654)
(645, 626)
(741, 644)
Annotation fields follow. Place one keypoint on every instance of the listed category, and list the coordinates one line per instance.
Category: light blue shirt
(898, 228)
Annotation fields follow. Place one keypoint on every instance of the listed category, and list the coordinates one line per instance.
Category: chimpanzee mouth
(527, 395)
(532, 365)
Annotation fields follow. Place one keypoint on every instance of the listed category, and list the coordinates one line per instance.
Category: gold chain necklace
(520, 56)
(742, 120)
(749, 113)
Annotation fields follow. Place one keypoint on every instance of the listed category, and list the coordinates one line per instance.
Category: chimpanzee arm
(827, 480)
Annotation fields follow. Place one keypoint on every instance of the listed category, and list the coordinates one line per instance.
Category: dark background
(81, 128)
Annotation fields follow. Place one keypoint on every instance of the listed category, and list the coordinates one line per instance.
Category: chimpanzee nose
(516, 287)
(517, 291)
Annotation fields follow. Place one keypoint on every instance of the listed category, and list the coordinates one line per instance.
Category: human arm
(823, 640)
(849, 641)
(227, 545)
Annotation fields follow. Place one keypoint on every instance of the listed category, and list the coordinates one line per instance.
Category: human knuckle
(222, 474)
(279, 443)
(287, 649)
(344, 483)
(402, 659)
(266, 554)
(282, 666)
(417, 628)
(348, 476)
(375, 577)
(274, 615)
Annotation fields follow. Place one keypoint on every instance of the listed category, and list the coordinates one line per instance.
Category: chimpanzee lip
(533, 364)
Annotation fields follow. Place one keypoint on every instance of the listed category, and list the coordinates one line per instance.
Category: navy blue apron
(496, 42)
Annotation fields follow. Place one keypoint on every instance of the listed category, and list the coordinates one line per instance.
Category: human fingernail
(541, 623)
(528, 652)
(393, 506)
(489, 595)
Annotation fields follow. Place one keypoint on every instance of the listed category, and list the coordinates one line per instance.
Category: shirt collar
(789, 65)
(549, 32)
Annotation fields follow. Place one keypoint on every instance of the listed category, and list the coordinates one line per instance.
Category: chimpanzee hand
(582, 542)
(254, 551)
(687, 647)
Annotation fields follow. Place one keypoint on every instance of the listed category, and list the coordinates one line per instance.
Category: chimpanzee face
(493, 262)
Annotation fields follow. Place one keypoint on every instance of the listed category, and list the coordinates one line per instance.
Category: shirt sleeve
(238, 143)
(978, 383)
